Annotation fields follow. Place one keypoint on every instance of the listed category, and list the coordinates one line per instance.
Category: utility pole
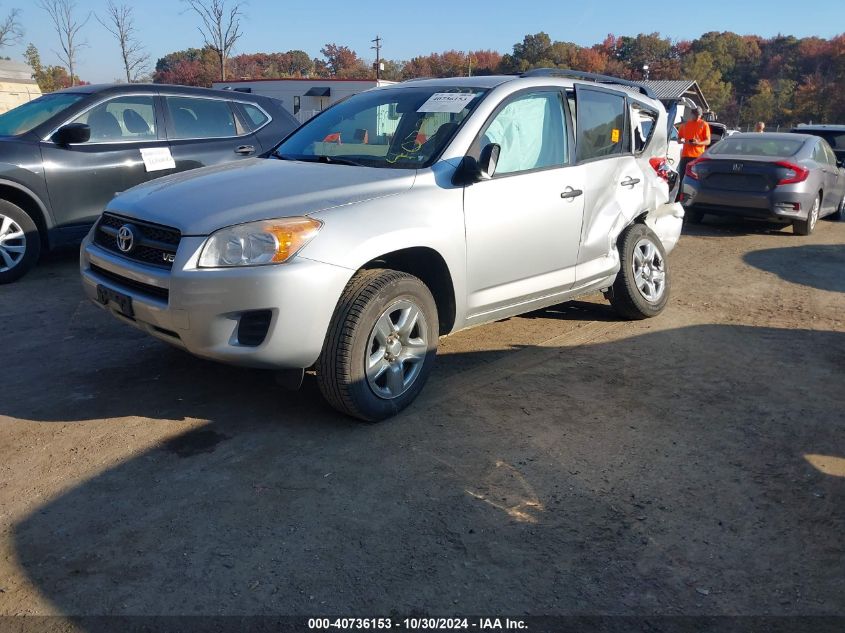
(377, 48)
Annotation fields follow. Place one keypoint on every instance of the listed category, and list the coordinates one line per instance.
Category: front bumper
(200, 310)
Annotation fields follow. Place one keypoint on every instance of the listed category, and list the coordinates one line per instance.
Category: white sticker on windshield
(157, 158)
(446, 102)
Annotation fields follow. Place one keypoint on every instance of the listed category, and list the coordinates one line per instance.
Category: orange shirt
(698, 130)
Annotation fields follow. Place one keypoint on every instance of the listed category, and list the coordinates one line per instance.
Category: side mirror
(488, 161)
(72, 133)
(477, 169)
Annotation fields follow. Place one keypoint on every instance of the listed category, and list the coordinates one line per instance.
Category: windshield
(404, 127)
(29, 115)
(760, 145)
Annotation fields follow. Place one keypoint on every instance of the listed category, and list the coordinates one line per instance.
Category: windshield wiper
(329, 160)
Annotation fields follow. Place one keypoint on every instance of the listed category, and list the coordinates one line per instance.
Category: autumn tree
(343, 63)
(48, 78)
(67, 26)
(191, 67)
(220, 27)
(120, 22)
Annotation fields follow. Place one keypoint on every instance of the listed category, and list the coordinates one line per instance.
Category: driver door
(523, 226)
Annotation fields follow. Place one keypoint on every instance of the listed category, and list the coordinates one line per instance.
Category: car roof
(492, 81)
(774, 136)
(821, 127)
(107, 89)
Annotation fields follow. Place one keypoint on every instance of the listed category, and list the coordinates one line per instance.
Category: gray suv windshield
(399, 128)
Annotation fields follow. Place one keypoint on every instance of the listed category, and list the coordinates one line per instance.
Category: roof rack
(579, 74)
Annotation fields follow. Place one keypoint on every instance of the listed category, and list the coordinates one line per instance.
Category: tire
(20, 243)
(642, 257)
(378, 298)
(806, 227)
(839, 214)
(693, 217)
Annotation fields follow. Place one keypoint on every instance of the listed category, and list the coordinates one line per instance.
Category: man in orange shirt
(695, 134)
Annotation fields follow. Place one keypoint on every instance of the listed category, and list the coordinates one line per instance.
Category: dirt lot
(563, 462)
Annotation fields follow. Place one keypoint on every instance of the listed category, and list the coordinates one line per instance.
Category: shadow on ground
(662, 473)
(819, 266)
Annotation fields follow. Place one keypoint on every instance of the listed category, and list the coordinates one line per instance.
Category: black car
(64, 155)
(833, 134)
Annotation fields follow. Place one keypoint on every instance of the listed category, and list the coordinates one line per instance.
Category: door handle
(571, 193)
(629, 182)
(245, 150)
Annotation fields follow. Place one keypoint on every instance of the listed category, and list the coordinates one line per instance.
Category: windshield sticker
(446, 102)
(614, 136)
(157, 158)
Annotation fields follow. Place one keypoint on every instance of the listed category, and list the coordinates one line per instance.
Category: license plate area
(122, 301)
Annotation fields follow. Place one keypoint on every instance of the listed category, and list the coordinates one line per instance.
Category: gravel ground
(557, 463)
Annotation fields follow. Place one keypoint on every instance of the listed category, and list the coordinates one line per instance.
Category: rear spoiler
(601, 79)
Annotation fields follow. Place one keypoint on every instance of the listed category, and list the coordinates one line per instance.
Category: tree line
(745, 78)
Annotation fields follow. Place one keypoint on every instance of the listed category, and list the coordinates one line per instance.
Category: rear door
(206, 131)
(614, 182)
(82, 178)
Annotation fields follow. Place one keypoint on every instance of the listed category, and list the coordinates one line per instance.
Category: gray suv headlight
(258, 243)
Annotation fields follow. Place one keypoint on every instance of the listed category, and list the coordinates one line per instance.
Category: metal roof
(674, 88)
(15, 72)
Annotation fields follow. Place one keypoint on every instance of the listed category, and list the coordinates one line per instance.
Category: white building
(303, 97)
(16, 85)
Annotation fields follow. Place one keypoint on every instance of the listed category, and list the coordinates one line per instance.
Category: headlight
(258, 243)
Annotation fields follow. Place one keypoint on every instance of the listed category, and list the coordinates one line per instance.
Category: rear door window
(601, 124)
(193, 118)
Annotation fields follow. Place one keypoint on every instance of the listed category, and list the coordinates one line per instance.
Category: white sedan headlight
(258, 243)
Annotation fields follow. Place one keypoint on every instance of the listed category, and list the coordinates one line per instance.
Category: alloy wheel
(649, 270)
(397, 349)
(12, 243)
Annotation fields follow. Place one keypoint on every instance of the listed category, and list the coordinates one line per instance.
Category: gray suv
(393, 218)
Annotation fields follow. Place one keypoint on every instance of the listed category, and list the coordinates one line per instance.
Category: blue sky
(414, 28)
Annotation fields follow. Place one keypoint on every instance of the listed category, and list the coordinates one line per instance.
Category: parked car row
(349, 245)
(64, 155)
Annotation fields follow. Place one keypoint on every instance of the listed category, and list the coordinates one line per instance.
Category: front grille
(154, 291)
(153, 244)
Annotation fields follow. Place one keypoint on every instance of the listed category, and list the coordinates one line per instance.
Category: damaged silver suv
(393, 218)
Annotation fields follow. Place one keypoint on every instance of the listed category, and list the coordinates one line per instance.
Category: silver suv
(395, 217)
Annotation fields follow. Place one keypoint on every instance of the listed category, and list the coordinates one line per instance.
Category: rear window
(835, 139)
(761, 145)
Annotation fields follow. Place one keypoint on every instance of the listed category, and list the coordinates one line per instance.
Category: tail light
(692, 168)
(794, 173)
(659, 165)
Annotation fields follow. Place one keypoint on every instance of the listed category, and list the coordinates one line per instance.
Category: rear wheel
(641, 289)
(20, 243)
(381, 345)
(806, 227)
(839, 214)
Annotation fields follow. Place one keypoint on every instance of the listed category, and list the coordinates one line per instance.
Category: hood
(200, 201)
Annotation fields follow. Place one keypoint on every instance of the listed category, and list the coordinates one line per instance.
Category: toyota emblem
(125, 238)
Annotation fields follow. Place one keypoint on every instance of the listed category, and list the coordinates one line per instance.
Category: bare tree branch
(120, 22)
(11, 31)
(220, 28)
(67, 28)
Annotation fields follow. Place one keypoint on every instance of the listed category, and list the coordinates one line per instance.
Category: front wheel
(641, 289)
(381, 345)
(20, 243)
